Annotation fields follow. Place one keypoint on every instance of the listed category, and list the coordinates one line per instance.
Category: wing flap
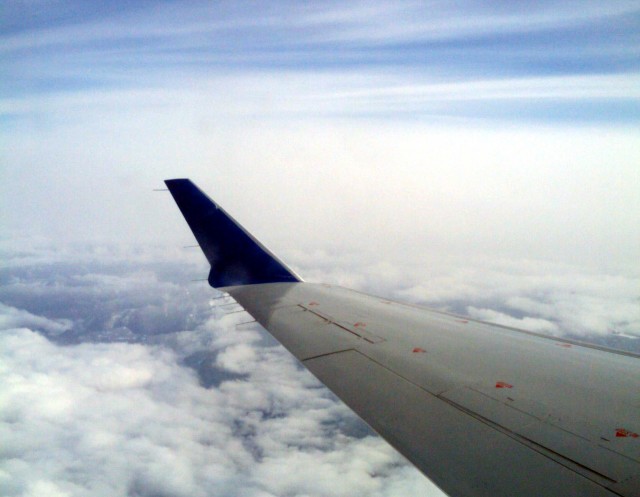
(531, 422)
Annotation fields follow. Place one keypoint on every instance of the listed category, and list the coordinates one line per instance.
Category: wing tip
(235, 256)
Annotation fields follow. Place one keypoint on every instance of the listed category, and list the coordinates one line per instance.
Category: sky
(477, 157)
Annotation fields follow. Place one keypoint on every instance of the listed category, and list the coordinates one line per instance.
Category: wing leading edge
(482, 410)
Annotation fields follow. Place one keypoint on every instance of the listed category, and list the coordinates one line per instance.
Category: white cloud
(540, 193)
(583, 87)
(201, 24)
(544, 296)
(31, 250)
(10, 317)
(527, 323)
(294, 94)
(123, 419)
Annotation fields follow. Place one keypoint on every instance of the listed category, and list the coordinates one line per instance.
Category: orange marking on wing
(622, 433)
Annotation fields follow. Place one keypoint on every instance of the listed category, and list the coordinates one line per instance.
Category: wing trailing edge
(235, 256)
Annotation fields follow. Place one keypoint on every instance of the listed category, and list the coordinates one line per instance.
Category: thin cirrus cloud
(440, 53)
(298, 24)
(338, 94)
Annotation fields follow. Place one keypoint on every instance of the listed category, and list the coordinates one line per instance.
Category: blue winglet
(236, 257)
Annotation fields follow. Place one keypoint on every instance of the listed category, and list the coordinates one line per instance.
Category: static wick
(160, 189)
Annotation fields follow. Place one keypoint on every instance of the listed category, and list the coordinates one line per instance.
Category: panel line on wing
(327, 354)
(428, 420)
(358, 328)
(515, 433)
(567, 462)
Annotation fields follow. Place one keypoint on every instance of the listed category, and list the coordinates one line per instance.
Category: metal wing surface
(480, 409)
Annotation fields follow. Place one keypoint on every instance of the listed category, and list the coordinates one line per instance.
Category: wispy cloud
(433, 52)
(301, 24)
(300, 96)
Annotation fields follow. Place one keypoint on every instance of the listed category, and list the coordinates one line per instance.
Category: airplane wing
(481, 409)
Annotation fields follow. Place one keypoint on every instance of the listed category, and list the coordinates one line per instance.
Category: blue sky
(573, 61)
(481, 123)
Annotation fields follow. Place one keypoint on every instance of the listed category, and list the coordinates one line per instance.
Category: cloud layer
(127, 419)
(216, 408)
(166, 390)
